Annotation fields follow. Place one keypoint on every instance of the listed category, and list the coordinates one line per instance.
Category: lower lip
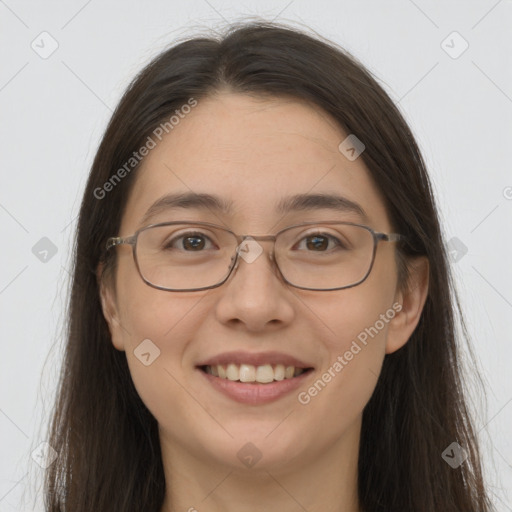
(255, 393)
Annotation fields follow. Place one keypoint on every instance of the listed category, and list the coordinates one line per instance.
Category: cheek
(355, 323)
(159, 334)
(147, 312)
(156, 329)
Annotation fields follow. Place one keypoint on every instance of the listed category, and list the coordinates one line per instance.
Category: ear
(109, 307)
(412, 299)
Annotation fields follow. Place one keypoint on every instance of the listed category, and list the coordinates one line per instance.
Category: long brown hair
(107, 440)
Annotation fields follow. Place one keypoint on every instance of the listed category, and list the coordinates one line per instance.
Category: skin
(254, 151)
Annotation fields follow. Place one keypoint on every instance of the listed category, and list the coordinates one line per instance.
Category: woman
(261, 314)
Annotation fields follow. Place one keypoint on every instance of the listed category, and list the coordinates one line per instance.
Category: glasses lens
(194, 256)
(325, 256)
(184, 256)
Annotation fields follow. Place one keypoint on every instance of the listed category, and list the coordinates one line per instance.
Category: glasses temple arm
(118, 240)
(392, 237)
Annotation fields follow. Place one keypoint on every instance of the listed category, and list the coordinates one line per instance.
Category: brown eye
(193, 242)
(189, 242)
(317, 242)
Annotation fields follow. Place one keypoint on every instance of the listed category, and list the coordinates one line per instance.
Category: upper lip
(256, 359)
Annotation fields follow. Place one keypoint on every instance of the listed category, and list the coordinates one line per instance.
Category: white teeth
(233, 372)
(263, 374)
(247, 373)
(279, 372)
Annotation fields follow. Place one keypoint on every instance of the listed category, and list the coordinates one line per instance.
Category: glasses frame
(132, 240)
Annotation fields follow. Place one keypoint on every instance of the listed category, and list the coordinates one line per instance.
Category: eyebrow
(217, 204)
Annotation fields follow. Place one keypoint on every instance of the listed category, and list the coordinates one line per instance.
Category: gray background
(54, 110)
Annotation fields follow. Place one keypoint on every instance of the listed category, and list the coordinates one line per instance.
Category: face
(254, 153)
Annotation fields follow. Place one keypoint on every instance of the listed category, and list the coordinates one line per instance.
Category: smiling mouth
(248, 373)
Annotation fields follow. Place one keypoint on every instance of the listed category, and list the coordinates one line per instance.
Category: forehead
(252, 152)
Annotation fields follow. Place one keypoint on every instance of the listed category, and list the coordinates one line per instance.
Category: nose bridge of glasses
(258, 237)
(250, 248)
(249, 245)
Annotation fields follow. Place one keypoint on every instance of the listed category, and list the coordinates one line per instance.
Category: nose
(255, 294)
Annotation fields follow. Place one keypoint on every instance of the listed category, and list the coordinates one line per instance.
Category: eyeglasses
(190, 256)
